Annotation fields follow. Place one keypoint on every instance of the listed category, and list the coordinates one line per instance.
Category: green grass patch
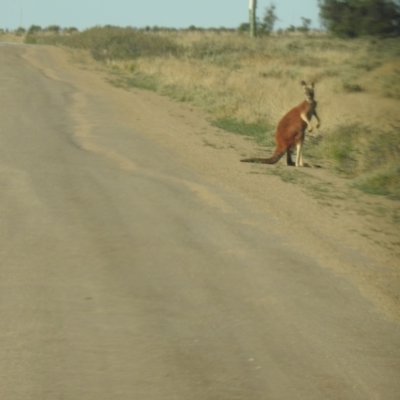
(262, 133)
(288, 175)
(31, 39)
(143, 81)
(391, 85)
(384, 182)
(136, 80)
(372, 158)
(340, 148)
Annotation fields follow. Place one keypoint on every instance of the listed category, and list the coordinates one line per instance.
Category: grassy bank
(247, 85)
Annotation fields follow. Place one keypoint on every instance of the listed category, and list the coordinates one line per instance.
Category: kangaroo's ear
(303, 83)
(312, 85)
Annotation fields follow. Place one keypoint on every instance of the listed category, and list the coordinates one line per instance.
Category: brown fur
(291, 130)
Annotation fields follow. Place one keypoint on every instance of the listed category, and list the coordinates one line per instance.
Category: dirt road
(141, 260)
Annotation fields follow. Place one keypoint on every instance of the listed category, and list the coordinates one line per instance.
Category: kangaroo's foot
(289, 161)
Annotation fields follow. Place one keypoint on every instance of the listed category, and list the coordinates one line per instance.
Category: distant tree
(269, 18)
(352, 18)
(33, 29)
(305, 26)
(244, 27)
(70, 30)
(53, 29)
(20, 31)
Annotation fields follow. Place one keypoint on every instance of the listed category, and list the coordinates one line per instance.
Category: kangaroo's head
(308, 91)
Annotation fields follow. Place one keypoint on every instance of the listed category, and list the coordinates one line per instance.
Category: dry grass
(258, 80)
(10, 38)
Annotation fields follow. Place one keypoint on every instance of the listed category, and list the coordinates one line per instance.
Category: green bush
(352, 18)
(263, 133)
(31, 39)
(34, 29)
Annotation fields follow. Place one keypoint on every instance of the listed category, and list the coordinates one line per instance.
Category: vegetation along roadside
(246, 85)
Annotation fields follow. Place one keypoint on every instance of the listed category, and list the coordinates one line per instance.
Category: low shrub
(114, 43)
(372, 157)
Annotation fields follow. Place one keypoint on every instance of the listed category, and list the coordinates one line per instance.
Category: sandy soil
(354, 234)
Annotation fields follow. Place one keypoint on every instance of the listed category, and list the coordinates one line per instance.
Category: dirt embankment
(354, 234)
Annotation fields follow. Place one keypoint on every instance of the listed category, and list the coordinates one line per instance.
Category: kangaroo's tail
(272, 160)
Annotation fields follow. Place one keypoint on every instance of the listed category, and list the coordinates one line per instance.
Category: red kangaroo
(291, 129)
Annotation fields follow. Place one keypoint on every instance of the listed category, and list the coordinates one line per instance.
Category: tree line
(352, 18)
(343, 18)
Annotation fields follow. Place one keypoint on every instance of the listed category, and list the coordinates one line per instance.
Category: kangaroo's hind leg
(299, 155)
(289, 160)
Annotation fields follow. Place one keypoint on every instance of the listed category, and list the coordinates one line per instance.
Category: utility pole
(252, 14)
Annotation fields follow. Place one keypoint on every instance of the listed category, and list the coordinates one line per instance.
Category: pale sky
(84, 14)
